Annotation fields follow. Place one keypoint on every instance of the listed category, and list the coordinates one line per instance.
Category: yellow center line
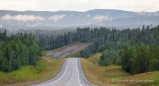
(64, 82)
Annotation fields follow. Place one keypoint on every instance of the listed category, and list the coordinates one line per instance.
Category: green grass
(32, 74)
(44, 70)
(95, 56)
(102, 76)
(77, 54)
(145, 76)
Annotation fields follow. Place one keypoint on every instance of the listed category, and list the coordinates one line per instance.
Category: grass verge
(144, 79)
(102, 76)
(77, 54)
(114, 75)
(46, 68)
(95, 56)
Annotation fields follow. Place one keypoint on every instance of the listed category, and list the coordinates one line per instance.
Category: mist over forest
(15, 20)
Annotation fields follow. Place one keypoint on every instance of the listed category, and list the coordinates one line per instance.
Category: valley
(99, 47)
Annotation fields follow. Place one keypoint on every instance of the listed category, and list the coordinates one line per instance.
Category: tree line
(134, 49)
(17, 50)
(140, 58)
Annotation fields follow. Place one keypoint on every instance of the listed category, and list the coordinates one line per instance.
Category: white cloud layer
(22, 17)
(100, 17)
(80, 5)
(57, 17)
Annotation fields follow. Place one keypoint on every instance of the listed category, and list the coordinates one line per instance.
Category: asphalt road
(71, 74)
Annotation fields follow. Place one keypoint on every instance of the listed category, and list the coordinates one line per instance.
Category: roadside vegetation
(18, 50)
(102, 76)
(95, 57)
(109, 75)
(134, 51)
(77, 54)
(46, 68)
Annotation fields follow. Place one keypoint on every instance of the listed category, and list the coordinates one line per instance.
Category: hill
(60, 19)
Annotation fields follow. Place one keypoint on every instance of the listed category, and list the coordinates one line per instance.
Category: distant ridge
(98, 17)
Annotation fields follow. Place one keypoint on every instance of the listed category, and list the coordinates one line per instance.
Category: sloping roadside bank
(113, 75)
(46, 68)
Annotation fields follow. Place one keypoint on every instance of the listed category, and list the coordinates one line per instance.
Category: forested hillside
(17, 50)
(134, 49)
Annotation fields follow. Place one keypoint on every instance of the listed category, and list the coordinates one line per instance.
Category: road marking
(64, 83)
(73, 73)
(58, 78)
(78, 73)
(75, 61)
(69, 76)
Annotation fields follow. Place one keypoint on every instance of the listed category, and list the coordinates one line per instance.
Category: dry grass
(95, 56)
(47, 59)
(152, 76)
(46, 68)
(102, 76)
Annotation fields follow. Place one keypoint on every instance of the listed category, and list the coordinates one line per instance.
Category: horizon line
(75, 10)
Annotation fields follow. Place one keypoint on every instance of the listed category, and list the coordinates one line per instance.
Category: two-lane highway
(71, 74)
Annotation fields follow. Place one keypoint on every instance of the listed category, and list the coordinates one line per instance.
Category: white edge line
(71, 74)
(58, 78)
(78, 73)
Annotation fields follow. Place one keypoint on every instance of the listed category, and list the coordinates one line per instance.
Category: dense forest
(17, 50)
(134, 49)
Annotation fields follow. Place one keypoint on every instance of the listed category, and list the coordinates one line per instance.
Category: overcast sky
(79, 5)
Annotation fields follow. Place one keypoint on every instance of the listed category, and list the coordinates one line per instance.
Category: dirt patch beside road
(47, 59)
(70, 49)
